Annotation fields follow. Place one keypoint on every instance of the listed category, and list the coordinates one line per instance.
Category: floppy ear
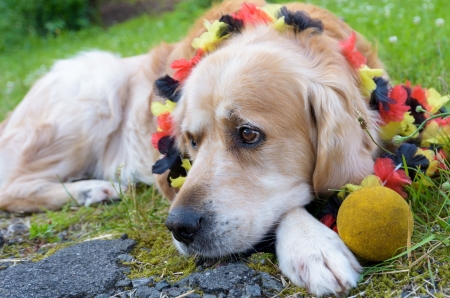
(344, 151)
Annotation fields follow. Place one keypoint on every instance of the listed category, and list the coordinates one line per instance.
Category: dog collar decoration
(404, 110)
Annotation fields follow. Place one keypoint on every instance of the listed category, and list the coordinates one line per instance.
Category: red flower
(183, 67)
(398, 109)
(349, 50)
(330, 221)
(165, 122)
(394, 179)
(441, 156)
(157, 136)
(251, 14)
(442, 121)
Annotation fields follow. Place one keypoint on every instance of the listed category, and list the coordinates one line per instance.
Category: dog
(268, 119)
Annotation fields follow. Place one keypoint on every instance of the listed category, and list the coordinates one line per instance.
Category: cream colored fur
(90, 115)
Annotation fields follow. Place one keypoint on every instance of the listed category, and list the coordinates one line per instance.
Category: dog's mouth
(207, 234)
(266, 244)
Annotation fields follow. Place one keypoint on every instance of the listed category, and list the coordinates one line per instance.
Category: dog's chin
(266, 244)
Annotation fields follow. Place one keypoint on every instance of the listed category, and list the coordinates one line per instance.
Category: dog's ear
(344, 150)
(164, 187)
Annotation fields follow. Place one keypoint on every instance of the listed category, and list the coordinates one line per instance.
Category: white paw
(314, 257)
(99, 191)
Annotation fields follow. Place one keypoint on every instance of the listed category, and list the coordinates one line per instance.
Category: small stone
(125, 257)
(209, 296)
(253, 290)
(174, 291)
(102, 296)
(161, 285)
(146, 292)
(138, 282)
(270, 283)
(123, 283)
(126, 270)
(405, 294)
(193, 295)
(17, 228)
(124, 237)
(2, 240)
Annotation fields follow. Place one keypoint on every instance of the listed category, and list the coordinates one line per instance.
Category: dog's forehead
(235, 81)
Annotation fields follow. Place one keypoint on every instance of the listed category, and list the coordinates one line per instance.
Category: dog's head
(269, 120)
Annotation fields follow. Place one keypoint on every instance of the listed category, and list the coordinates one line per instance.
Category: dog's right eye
(193, 142)
(250, 136)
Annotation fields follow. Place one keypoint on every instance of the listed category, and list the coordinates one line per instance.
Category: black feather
(381, 95)
(233, 25)
(167, 161)
(413, 103)
(167, 87)
(300, 20)
(176, 170)
(331, 207)
(413, 161)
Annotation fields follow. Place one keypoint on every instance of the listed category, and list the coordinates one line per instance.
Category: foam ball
(373, 222)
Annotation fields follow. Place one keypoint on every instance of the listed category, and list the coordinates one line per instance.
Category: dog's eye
(250, 136)
(193, 142)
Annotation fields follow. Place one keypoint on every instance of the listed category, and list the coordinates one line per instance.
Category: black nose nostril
(184, 223)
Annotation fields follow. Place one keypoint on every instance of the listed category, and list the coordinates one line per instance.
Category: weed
(43, 232)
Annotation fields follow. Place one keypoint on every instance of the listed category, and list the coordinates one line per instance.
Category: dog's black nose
(184, 223)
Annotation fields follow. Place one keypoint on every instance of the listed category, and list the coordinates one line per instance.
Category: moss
(265, 262)
(158, 257)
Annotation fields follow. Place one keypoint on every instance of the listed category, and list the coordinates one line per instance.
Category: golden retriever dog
(269, 120)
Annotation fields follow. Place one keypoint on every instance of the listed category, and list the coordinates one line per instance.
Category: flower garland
(404, 110)
(405, 113)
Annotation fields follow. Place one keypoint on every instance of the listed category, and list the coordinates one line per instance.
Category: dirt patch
(113, 12)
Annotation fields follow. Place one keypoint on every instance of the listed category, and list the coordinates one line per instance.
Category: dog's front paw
(313, 256)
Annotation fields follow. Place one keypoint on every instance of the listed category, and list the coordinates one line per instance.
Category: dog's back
(83, 120)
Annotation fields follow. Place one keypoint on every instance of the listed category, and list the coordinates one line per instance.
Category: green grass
(421, 55)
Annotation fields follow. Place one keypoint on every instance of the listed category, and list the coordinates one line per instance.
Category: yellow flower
(390, 130)
(186, 164)
(434, 164)
(348, 188)
(371, 180)
(403, 128)
(435, 100)
(209, 39)
(436, 134)
(159, 108)
(367, 74)
(273, 11)
(177, 182)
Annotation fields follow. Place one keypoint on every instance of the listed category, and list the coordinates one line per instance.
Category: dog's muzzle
(184, 223)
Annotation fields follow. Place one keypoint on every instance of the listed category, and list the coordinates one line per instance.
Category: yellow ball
(373, 222)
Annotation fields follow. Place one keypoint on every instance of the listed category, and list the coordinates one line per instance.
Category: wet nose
(184, 223)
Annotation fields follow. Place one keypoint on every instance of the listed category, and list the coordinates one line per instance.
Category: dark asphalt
(82, 270)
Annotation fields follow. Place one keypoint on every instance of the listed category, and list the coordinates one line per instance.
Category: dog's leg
(313, 256)
(34, 196)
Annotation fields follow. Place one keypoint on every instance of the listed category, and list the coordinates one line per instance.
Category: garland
(404, 109)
